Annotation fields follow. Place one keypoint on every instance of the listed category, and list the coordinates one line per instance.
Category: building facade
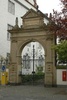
(9, 10)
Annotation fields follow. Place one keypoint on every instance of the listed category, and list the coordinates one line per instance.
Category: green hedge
(61, 67)
(29, 78)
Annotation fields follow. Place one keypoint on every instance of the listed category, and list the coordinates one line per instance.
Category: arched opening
(33, 63)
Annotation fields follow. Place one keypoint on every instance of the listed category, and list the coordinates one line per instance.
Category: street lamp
(33, 72)
(33, 59)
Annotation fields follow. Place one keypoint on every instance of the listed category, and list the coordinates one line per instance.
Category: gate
(32, 70)
(33, 79)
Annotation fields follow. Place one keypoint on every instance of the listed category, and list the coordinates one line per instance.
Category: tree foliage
(61, 50)
(60, 19)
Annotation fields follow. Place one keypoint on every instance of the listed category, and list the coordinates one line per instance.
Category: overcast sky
(46, 6)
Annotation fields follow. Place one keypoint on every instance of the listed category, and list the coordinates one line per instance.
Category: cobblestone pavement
(32, 93)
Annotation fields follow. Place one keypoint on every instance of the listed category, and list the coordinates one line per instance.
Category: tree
(61, 50)
(60, 19)
(60, 28)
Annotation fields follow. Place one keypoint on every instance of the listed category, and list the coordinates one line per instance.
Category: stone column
(14, 64)
(49, 62)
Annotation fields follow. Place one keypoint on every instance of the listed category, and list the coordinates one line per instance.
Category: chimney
(46, 14)
(35, 4)
(50, 16)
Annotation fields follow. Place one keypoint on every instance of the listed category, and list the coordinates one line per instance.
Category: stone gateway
(33, 29)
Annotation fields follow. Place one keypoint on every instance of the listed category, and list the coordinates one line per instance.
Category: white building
(9, 10)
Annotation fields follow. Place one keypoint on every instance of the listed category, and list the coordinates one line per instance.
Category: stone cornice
(24, 5)
(22, 30)
(30, 3)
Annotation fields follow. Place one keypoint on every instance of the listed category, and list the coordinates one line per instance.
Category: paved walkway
(32, 93)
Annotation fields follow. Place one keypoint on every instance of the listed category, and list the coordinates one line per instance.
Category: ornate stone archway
(33, 29)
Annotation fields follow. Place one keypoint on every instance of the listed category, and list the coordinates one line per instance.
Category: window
(8, 34)
(11, 7)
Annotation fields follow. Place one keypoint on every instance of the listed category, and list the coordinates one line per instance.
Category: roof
(33, 13)
(30, 3)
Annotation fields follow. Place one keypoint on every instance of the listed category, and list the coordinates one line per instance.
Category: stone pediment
(31, 13)
(33, 19)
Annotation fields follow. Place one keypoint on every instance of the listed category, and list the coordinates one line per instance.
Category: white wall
(3, 26)
(59, 77)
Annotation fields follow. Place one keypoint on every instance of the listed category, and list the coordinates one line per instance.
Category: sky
(46, 6)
